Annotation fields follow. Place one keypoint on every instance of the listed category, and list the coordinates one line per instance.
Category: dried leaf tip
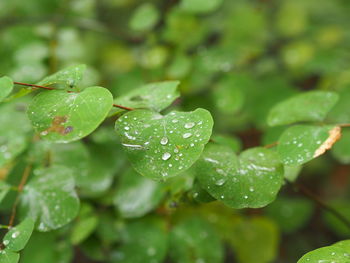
(334, 136)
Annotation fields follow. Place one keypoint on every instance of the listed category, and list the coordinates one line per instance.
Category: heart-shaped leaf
(63, 117)
(302, 143)
(309, 106)
(6, 86)
(334, 253)
(18, 236)
(50, 197)
(252, 180)
(160, 146)
(155, 96)
(69, 76)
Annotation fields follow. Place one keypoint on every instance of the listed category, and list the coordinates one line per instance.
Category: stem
(4, 227)
(271, 145)
(344, 125)
(23, 181)
(312, 196)
(49, 88)
(32, 85)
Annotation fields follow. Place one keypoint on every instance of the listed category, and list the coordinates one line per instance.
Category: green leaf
(63, 117)
(194, 240)
(8, 256)
(143, 241)
(144, 18)
(14, 130)
(252, 180)
(50, 197)
(137, 195)
(4, 189)
(303, 107)
(330, 254)
(155, 96)
(200, 6)
(69, 77)
(341, 150)
(85, 224)
(6, 86)
(160, 146)
(302, 143)
(258, 235)
(290, 214)
(18, 236)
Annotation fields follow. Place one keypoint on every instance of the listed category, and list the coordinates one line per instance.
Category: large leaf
(252, 180)
(50, 197)
(330, 254)
(137, 195)
(302, 143)
(163, 146)
(310, 106)
(69, 76)
(63, 117)
(6, 86)
(155, 96)
(194, 240)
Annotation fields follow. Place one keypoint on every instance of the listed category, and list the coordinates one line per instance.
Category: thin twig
(309, 194)
(23, 181)
(122, 107)
(32, 85)
(344, 125)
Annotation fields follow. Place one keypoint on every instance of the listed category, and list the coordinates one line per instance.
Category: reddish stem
(122, 107)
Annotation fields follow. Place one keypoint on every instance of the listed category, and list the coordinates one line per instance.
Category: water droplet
(164, 141)
(189, 125)
(187, 135)
(174, 121)
(220, 182)
(166, 156)
(126, 128)
(15, 234)
(245, 197)
(251, 189)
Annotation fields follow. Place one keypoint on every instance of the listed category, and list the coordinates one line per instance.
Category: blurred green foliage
(236, 58)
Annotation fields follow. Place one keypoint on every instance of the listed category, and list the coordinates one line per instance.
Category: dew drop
(164, 141)
(15, 234)
(166, 156)
(220, 182)
(189, 125)
(187, 135)
(174, 121)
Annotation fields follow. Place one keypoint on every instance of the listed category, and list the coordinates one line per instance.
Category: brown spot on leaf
(58, 126)
(334, 135)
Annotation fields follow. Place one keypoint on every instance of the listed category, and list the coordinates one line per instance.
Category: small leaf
(144, 18)
(257, 234)
(302, 143)
(341, 150)
(69, 76)
(18, 236)
(137, 195)
(143, 241)
(155, 96)
(160, 146)
(252, 180)
(6, 86)
(50, 197)
(195, 240)
(63, 117)
(303, 107)
(200, 6)
(8, 256)
(15, 130)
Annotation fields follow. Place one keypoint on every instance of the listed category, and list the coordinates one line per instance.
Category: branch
(271, 145)
(23, 181)
(49, 88)
(312, 196)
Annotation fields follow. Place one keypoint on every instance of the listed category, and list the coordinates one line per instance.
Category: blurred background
(236, 58)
